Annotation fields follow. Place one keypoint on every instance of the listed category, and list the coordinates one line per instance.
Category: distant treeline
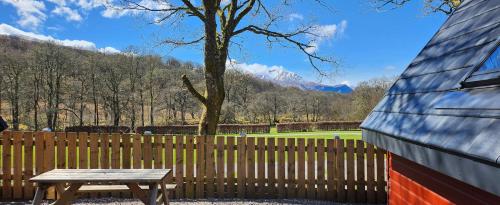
(45, 85)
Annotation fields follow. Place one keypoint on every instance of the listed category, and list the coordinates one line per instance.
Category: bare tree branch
(192, 90)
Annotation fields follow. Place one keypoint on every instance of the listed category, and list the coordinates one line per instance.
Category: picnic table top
(102, 175)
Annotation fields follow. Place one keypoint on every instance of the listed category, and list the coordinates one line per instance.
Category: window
(488, 72)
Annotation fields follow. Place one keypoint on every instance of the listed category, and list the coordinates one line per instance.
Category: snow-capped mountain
(283, 77)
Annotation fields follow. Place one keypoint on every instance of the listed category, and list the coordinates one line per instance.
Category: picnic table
(79, 178)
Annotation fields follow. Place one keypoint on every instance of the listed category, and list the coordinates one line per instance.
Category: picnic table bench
(99, 180)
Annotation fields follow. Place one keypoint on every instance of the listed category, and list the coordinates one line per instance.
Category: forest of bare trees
(46, 85)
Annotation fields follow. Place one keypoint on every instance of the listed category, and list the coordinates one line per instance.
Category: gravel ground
(118, 201)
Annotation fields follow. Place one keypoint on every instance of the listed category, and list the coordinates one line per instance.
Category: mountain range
(286, 78)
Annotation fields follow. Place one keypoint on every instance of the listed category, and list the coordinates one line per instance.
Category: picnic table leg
(40, 192)
(138, 192)
(164, 193)
(153, 191)
(68, 195)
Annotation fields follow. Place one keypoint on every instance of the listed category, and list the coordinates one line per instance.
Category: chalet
(440, 121)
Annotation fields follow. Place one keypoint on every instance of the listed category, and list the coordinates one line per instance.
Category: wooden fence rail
(205, 167)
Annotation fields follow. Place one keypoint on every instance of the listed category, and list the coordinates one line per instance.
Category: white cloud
(8, 30)
(69, 14)
(295, 16)
(116, 11)
(266, 72)
(31, 12)
(321, 33)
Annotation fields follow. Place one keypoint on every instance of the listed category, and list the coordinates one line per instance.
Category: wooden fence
(205, 167)
(317, 126)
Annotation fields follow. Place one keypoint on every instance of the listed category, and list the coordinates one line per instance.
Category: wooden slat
(169, 156)
(72, 152)
(301, 168)
(127, 151)
(189, 167)
(82, 147)
(230, 168)
(6, 165)
(94, 150)
(360, 172)
(291, 182)
(241, 178)
(381, 192)
(61, 150)
(220, 167)
(250, 167)
(158, 150)
(137, 151)
(261, 167)
(281, 168)
(271, 167)
(210, 166)
(115, 150)
(179, 166)
(49, 156)
(105, 150)
(200, 167)
(330, 166)
(370, 173)
(351, 191)
(339, 146)
(28, 165)
(147, 151)
(39, 153)
(311, 179)
(17, 165)
(320, 169)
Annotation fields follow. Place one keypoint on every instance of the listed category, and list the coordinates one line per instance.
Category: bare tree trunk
(151, 103)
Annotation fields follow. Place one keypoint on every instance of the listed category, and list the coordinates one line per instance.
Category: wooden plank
(301, 168)
(281, 168)
(61, 150)
(39, 153)
(158, 149)
(28, 165)
(115, 155)
(49, 154)
(311, 169)
(6, 165)
(351, 190)
(241, 178)
(320, 167)
(137, 151)
(82, 147)
(250, 167)
(210, 166)
(220, 167)
(94, 150)
(179, 166)
(271, 167)
(230, 167)
(169, 156)
(105, 150)
(340, 176)
(148, 151)
(261, 167)
(72, 152)
(200, 167)
(126, 151)
(292, 181)
(330, 166)
(17, 165)
(370, 173)
(115, 150)
(360, 172)
(189, 167)
(381, 192)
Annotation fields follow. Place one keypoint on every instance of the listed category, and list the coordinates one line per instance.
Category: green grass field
(354, 134)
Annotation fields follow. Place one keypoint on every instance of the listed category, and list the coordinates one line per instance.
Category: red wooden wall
(411, 183)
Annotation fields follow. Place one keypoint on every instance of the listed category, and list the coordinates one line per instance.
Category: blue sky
(367, 43)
